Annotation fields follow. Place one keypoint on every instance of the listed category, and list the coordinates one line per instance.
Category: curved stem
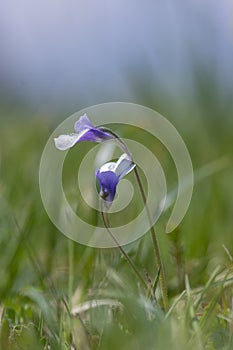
(162, 278)
(118, 140)
(128, 259)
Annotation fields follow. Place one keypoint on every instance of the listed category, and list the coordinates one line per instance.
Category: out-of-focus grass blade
(200, 174)
(206, 318)
(191, 315)
(207, 286)
(46, 308)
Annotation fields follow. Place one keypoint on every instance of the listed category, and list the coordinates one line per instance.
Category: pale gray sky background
(58, 52)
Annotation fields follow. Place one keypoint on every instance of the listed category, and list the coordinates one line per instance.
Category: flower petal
(108, 182)
(83, 123)
(64, 142)
(94, 134)
(108, 167)
(123, 166)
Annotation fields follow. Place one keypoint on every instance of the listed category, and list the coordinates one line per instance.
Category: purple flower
(110, 174)
(84, 131)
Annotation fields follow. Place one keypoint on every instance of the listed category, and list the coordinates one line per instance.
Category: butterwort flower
(84, 131)
(110, 174)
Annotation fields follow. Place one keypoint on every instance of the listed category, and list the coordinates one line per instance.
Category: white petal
(108, 167)
(123, 166)
(64, 142)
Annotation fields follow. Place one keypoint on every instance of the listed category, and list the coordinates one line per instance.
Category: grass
(57, 294)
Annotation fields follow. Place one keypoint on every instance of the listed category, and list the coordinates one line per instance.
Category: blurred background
(57, 57)
(176, 57)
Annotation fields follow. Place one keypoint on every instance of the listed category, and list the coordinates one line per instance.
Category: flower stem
(118, 140)
(128, 259)
(71, 271)
(162, 278)
(155, 243)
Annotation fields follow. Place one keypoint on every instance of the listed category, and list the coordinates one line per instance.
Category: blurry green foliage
(39, 275)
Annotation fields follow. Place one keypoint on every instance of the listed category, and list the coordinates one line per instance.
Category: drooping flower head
(84, 131)
(110, 174)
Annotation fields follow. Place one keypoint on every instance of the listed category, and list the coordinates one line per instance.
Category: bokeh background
(61, 56)
(58, 57)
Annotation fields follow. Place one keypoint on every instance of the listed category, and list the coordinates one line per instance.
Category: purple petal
(95, 135)
(108, 182)
(83, 123)
(64, 142)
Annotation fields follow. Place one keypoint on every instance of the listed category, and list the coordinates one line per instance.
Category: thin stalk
(71, 271)
(162, 279)
(118, 140)
(70, 286)
(128, 259)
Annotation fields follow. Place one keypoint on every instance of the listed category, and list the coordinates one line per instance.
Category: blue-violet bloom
(110, 174)
(84, 131)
